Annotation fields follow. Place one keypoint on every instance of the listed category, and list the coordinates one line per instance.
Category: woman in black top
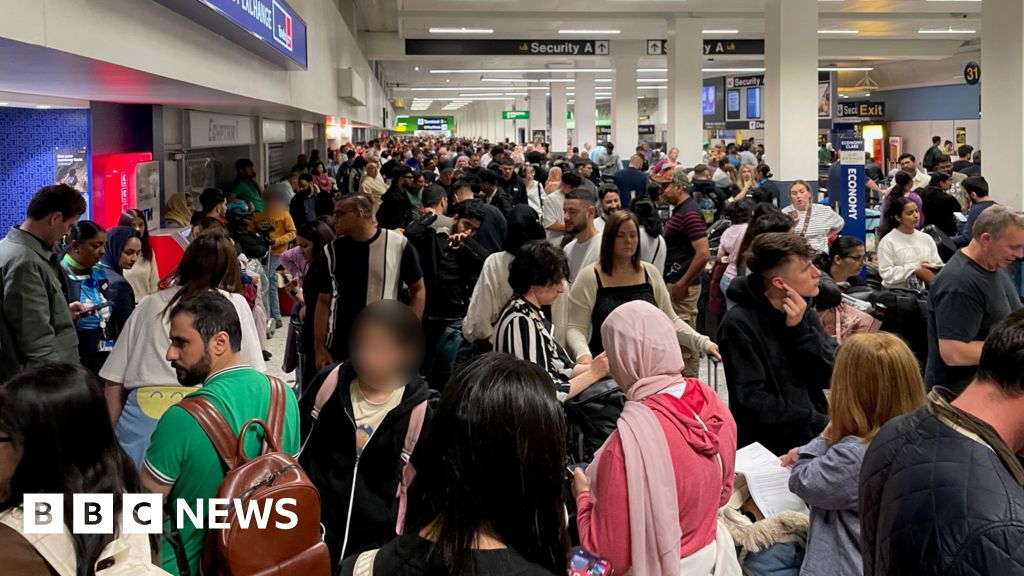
(312, 237)
(938, 205)
(488, 499)
(124, 245)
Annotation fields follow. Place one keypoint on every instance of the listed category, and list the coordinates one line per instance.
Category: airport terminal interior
(431, 287)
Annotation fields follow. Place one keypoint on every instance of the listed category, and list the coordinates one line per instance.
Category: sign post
(851, 192)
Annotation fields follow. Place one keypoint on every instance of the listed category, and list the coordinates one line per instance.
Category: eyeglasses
(855, 258)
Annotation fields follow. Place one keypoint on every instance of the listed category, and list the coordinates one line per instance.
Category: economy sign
(270, 28)
(424, 47)
(851, 193)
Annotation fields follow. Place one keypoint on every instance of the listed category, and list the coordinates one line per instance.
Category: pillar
(685, 60)
(538, 105)
(585, 111)
(790, 88)
(624, 106)
(559, 133)
(1002, 100)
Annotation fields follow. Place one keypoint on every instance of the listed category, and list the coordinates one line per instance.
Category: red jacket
(603, 516)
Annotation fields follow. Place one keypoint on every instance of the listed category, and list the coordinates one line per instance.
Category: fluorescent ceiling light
(475, 98)
(651, 80)
(557, 80)
(720, 31)
(839, 31)
(652, 69)
(589, 31)
(602, 80)
(732, 69)
(482, 94)
(652, 87)
(528, 80)
(469, 88)
(603, 98)
(516, 70)
(462, 31)
(949, 30)
(845, 69)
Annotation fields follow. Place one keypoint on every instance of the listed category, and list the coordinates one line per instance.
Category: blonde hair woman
(554, 180)
(876, 378)
(747, 182)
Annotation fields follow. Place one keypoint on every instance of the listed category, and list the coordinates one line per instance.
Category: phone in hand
(585, 563)
(96, 308)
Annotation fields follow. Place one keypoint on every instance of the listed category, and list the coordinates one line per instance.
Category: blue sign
(851, 191)
(271, 28)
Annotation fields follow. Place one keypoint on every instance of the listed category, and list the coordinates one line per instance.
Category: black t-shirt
(407, 556)
(966, 301)
(353, 281)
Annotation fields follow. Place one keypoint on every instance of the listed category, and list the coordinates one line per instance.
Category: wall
(146, 36)
(27, 141)
(951, 102)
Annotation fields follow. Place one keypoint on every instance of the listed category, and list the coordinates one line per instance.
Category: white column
(559, 133)
(790, 92)
(685, 59)
(585, 111)
(1002, 99)
(538, 105)
(521, 104)
(624, 106)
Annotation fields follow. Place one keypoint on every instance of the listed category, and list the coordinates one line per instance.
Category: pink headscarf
(644, 358)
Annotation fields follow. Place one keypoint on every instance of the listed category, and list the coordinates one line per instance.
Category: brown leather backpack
(271, 476)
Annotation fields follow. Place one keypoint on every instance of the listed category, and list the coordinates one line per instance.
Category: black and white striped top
(523, 331)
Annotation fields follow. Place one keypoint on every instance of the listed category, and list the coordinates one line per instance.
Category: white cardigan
(581, 307)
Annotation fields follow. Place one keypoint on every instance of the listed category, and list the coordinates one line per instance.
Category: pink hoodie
(644, 366)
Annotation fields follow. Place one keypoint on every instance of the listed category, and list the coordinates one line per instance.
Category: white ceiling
(887, 32)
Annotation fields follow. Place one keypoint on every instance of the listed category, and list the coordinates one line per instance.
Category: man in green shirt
(247, 188)
(181, 462)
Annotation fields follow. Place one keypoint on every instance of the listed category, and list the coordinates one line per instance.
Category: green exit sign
(515, 114)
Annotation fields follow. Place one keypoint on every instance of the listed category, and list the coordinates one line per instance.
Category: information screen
(754, 103)
(708, 100)
(732, 105)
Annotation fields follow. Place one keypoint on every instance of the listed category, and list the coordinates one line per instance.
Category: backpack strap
(412, 435)
(216, 427)
(276, 410)
(325, 392)
(364, 563)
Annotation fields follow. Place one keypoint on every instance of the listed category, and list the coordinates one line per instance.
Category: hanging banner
(72, 168)
(851, 192)
(824, 100)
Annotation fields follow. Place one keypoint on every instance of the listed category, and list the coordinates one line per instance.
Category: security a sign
(851, 192)
(430, 47)
(657, 47)
(744, 81)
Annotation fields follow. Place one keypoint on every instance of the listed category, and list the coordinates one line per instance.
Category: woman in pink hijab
(674, 431)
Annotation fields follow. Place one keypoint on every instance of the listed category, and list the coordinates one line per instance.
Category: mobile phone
(96, 308)
(586, 563)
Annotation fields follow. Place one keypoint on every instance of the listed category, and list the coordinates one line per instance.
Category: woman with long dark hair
(844, 261)
(488, 497)
(143, 276)
(305, 262)
(652, 243)
(137, 363)
(902, 187)
(907, 257)
(55, 438)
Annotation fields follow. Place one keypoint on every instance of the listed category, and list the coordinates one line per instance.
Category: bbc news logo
(143, 514)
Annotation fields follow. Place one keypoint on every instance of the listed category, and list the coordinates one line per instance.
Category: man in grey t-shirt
(971, 294)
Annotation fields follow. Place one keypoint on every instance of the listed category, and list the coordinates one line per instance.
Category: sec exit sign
(515, 114)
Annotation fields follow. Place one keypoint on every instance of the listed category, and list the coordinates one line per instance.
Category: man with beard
(580, 209)
(396, 208)
(611, 201)
(181, 463)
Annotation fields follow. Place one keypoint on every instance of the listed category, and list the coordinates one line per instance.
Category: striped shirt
(823, 219)
(523, 331)
(686, 226)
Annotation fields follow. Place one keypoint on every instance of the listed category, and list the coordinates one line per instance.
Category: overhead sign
(972, 73)
(645, 130)
(219, 130)
(851, 190)
(744, 81)
(515, 114)
(409, 124)
(860, 110)
(755, 125)
(659, 47)
(429, 47)
(270, 28)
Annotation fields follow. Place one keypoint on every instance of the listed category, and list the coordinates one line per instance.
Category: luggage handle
(241, 457)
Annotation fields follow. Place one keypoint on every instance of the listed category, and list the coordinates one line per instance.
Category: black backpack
(904, 313)
(591, 417)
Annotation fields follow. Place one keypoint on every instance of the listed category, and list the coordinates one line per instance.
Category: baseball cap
(676, 177)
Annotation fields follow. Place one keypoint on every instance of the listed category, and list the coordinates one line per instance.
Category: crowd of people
(461, 307)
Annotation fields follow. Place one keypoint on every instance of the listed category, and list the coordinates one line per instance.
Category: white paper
(767, 480)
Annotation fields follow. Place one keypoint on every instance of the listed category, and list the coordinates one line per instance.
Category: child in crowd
(876, 378)
(356, 416)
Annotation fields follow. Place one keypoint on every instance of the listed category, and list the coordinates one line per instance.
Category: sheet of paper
(768, 480)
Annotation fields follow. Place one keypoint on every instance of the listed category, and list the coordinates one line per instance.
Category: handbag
(845, 320)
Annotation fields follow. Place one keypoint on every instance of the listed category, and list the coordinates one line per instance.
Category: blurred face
(672, 193)
(908, 165)
(577, 216)
(946, 184)
(474, 161)
(910, 216)
(445, 178)
(378, 356)
(319, 169)
(139, 225)
(673, 154)
(586, 170)
(304, 186)
(799, 197)
(187, 353)
(530, 173)
(946, 167)
(130, 253)
(420, 182)
(611, 202)
(1003, 250)
(346, 218)
(506, 171)
(249, 172)
(307, 248)
(406, 181)
(466, 225)
(371, 169)
(221, 210)
(88, 253)
(546, 295)
(800, 274)
(627, 240)
(850, 265)
(747, 173)
(303, 159)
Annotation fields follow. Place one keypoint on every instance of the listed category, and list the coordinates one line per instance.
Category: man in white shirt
(553, 218)
(908, 163)
(580, 210)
